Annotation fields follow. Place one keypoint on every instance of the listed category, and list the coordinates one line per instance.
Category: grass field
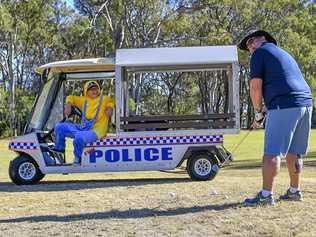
(158, 204)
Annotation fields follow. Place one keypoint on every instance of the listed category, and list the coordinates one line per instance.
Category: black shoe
(57, 150)
(289, 196)
(259, 200)
(58, 154)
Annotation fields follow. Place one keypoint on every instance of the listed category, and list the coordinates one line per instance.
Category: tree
(36, 32)
(31, 34)
(292, 23)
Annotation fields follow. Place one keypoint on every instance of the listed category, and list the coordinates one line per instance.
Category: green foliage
(23, 108)
(4, 112)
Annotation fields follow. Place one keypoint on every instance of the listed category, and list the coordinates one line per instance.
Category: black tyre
(202, 166)
(24, 170)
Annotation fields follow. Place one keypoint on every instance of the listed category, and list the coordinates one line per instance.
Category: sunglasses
(94, 87)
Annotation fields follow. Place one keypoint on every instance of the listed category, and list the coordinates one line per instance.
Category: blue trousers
(81, 137)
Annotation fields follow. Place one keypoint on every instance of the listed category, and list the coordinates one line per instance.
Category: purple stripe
(148, 144)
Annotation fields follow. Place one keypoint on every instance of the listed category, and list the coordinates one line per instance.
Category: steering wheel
(74, 111)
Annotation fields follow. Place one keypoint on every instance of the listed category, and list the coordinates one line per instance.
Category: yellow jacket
(101, 125)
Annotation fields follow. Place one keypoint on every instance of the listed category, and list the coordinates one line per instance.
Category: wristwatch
(259, 116)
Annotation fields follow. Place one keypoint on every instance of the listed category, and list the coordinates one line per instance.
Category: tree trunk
(11, 52)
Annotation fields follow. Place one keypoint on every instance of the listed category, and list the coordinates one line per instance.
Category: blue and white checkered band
(22, 146)
(161, 140)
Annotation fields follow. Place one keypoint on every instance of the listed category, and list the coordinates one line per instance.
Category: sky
(70, 2)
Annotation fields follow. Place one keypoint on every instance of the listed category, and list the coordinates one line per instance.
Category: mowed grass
(158, 204)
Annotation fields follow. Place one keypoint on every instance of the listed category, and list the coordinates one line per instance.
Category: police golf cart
(171, 105)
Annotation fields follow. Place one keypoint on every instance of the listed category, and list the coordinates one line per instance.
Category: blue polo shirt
(283, 83)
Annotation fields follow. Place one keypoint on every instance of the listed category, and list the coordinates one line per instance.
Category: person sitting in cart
(96, 111)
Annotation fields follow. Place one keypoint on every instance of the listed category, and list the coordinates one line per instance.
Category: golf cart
(171, 105)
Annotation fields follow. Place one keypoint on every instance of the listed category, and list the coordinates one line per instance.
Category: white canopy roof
(176, 56)
(90, 63)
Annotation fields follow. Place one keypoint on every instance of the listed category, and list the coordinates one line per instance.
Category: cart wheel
(202, 166)
(24, 170)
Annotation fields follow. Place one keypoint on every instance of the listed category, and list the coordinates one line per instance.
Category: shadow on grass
(309, 161)
(52, 186)
(128, 214)
(245, 164)
(311, 154)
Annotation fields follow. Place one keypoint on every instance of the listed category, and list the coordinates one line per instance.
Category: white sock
(293, 190)
(265, 193)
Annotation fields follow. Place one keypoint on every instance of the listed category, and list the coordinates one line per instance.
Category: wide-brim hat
(255, 33)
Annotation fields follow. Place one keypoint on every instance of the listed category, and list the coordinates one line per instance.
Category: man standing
(275, 76)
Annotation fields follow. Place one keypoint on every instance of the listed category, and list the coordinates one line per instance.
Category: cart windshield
(41, 107)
